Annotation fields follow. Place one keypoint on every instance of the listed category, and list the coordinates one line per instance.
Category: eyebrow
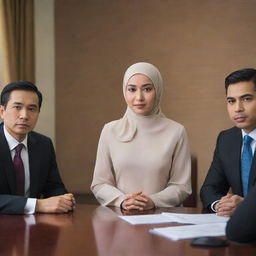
(242, 96)
(19, 103)
(144, 85)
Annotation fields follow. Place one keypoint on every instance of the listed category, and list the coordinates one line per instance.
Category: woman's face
(140, 94)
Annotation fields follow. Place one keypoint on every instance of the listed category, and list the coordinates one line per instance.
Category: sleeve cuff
(213, 205)
(30, 206)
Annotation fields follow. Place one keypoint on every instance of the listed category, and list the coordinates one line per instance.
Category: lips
(22, 125)
(240, 118)
(139, 105)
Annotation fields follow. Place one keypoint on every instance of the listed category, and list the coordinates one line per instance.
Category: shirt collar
(13, 142)
(251, 134)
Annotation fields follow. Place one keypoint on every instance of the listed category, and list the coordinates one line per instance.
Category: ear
(2, 109)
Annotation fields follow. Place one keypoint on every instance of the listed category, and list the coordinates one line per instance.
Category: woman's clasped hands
(137, 201)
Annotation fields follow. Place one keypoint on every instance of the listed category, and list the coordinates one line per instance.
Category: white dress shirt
(12, 142)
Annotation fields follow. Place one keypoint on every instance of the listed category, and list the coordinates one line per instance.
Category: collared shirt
(12, 142)
(252, 134)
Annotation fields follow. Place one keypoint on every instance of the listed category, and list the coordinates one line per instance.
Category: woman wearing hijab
(143, 159)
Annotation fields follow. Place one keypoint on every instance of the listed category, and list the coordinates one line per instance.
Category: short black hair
(19, 85)
(242, 75)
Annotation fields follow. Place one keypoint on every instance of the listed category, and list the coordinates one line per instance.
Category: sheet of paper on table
(174, 218)
(196, 218)
(191, 231)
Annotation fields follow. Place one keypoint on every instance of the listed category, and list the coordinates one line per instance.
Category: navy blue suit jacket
(242, 225)
(225, 171)
(45, 180)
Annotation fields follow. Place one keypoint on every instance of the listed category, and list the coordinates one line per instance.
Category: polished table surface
(96, 230)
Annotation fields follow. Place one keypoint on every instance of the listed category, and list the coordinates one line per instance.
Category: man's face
(20, 114)
(241, 105)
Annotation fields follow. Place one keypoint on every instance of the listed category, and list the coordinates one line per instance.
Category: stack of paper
(204, 224)
(174, 218)
(196, 218)
(191, 231)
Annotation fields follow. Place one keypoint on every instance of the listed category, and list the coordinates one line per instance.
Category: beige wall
(195, 44)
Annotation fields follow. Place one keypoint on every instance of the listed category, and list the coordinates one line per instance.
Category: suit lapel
(6, 162)
(236, 160)
(252, 177)
(33, 154)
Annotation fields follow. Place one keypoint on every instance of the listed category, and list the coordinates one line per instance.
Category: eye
(131, 89)
(32, 109)
(231, 101)
(247, 99)
(148, 89)
(17, 107)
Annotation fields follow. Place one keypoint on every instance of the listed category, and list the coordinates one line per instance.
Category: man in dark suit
(232, 172)
(29, 176)
(242, 225)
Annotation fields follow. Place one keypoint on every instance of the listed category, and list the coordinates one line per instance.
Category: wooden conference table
(96, 230)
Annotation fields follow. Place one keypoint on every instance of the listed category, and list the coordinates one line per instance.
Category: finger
(134, 207)
(62, 209)
(61, 206)
(226, 201)
(134, 202)
(126, 203)
(129, 206)
(131, 195)
(230, 204)
(227, 196)
(217, 206)
(224, 213)
(139, 203)
(73, 201)
(66, 199)
(66, 203)
(141, 198)
(136, 193)
(68, 196)
(225, 209)
(72, 196)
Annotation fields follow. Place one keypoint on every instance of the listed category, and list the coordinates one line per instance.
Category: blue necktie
(246, 162)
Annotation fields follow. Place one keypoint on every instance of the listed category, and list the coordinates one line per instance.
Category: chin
(244, 127)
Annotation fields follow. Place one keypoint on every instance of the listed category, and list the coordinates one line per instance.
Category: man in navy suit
(36, 186)
(242, 225)
(223, 189)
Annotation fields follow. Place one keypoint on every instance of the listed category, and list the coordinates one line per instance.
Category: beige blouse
(156, 161)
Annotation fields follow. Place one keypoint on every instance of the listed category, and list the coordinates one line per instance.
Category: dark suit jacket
(45, 180)
(225, 171)
(242, 225)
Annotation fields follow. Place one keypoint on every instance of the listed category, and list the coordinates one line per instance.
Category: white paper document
(191, 231)
(146, 219)
(196, 218)
(174, 218)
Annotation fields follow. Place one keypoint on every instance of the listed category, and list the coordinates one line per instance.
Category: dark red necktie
(19, 169)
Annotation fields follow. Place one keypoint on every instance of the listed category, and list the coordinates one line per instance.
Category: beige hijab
(125, 128)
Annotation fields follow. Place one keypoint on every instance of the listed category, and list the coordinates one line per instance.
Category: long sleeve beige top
(156, 161)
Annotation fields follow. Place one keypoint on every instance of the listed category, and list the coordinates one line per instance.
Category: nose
(239, 106)
(140, 95)
(24, 114)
